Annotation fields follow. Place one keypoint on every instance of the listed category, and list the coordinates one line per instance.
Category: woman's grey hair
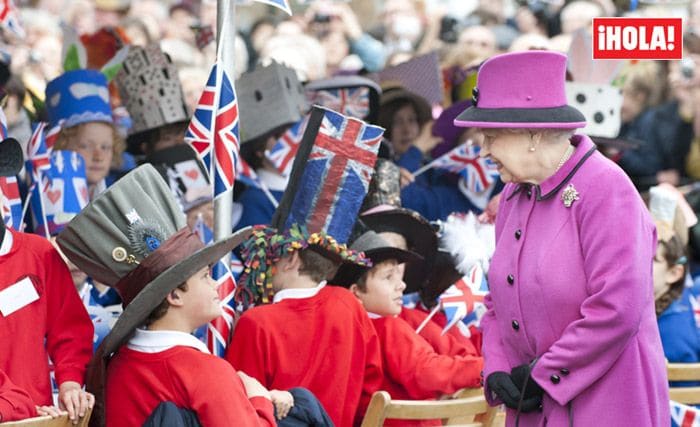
(553, 135)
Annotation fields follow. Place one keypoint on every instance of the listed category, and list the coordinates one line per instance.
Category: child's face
(384, 289)
(201, 300)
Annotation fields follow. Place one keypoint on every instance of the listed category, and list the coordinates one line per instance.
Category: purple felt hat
(522, 90)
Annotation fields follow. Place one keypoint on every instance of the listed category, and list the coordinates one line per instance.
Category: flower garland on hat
(266, 246)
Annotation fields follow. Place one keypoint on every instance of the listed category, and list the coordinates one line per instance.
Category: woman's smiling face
(509, 151)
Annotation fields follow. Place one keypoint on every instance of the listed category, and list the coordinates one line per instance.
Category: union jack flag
(63, 195)
(9, 18)
(285, 149)
(684, 415)
(11, 202)
(214, 126)
(342, 162)
(465, 298)
(218, 331)
(38, 161)
(246, 174)
(353, 102)
(479, 173)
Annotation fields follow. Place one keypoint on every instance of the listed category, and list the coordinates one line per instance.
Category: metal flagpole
(225, 42)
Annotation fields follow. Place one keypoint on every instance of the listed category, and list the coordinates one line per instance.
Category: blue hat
(78, 96)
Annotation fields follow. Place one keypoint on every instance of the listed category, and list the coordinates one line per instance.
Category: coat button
(510, 279)
(555, 379)
(564, 371)
(515, 325)
(518, 233)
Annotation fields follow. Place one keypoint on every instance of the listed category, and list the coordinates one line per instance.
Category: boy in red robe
(312, 335)
(41, 314)
(161, 270)
(412, 368)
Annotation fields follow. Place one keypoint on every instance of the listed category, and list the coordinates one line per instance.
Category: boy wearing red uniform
(412, 369)
(15, 403)
(41, 314)
(160, 269)
(313, 335)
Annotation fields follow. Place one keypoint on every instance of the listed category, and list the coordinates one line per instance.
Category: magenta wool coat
(572, 287)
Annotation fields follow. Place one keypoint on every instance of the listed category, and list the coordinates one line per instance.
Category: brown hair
(317, 266)
(362, 281)
(674, 254)
(162, 308)
(70, 134)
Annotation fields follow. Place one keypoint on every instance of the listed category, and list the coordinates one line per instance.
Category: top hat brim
(565, 117)
(136, 313)
(419, 235)
(349, 273)
(11, 158)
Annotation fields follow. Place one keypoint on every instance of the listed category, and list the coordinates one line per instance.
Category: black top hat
(419, 234)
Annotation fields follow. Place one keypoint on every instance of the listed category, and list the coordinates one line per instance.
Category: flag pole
(433, 312)
(225, 37)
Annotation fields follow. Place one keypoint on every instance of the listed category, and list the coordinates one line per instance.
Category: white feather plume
(468, 241)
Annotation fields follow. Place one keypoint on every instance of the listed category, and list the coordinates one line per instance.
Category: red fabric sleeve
(15, 403)
(411, 362)
(69, 331)
(448, 344)
(219, 398)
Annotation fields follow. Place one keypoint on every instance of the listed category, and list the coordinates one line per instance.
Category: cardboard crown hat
(352, 96)
(78, 96)
(378, 250)
(134, 238)
(270, 98)
(149, 86)
(522, 90)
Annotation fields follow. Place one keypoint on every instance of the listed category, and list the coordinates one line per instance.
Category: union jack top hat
(522, 90)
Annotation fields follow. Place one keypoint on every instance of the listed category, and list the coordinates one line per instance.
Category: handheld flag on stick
(465, 299)
(214, 126)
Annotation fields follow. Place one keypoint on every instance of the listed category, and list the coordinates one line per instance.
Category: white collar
(6, 244)
(273, 180)
(298, 293)
(147, 341)
(374, 315)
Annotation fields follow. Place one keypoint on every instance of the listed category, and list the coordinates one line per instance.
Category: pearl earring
(532, 149)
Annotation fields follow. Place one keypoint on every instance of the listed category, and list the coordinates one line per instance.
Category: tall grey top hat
(134, 237)
(270, 98)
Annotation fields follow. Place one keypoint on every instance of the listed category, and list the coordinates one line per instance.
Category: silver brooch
(569, 195)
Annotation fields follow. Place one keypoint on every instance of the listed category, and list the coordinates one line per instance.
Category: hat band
(178, 247)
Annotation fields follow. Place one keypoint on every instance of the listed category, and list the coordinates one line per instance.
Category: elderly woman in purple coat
(570, 335)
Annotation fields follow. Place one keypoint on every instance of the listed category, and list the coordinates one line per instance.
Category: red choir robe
(448, 343)
(15, 403)
(56, 325)
(186, 375)
(320, 339)
(413, 370)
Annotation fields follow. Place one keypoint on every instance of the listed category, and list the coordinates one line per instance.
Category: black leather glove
(532, 395)
(502, 384)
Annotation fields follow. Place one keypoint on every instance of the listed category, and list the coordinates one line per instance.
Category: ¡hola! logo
(637, 38)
